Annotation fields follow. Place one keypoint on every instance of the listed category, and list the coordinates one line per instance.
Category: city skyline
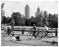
(15, 6)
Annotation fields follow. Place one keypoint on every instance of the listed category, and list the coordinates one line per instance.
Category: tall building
(38, 12)
(2, 11)
(27, 11)
(35, 14)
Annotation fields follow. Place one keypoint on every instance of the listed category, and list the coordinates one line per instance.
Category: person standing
(13, 38)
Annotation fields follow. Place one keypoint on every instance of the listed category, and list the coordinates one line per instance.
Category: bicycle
(38, 34)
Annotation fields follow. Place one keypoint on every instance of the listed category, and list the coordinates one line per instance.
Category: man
(34, 27)
(9, 30)
(45, 30)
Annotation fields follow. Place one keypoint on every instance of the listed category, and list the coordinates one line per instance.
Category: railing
(27, 29)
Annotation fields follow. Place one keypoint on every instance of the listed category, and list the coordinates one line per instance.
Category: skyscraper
(2, 11)
(38, 12)
(27, 11)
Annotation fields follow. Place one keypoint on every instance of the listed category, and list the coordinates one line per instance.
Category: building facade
(38, 12)
(27, 11)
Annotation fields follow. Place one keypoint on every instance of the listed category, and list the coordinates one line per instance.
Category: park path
(5, 41)
(24, 42)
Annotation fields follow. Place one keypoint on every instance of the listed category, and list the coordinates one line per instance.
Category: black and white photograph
(29, 23)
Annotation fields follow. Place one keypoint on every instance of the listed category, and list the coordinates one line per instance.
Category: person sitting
(13, 38)
(17, 38)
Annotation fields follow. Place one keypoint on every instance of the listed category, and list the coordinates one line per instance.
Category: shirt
(46, 28)
(13, 38)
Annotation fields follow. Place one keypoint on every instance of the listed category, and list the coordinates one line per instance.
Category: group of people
(34, 27)
(11, 33)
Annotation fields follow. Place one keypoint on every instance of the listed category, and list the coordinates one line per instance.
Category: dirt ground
(6, 41)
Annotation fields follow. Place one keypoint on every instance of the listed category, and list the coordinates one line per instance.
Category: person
(12, 33)
(34, 27)
(12, 26)
(9, 30)
(45, 30)
(13, 38)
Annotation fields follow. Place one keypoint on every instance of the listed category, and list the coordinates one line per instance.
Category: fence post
(23, 30)
(56, 33)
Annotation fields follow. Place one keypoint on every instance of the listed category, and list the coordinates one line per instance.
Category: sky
(19, 6)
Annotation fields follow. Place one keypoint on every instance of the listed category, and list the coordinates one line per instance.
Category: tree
(4, 20)
(27, 22)
(53, 20)
(45, 19)
(2, 5)
(39, 19)
(9, 19)
(33, 21)
(16, 18)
